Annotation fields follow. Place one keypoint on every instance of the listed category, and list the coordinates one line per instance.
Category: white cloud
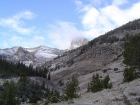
(27, 42)
(15, 23)
(78, 4)
(41, 38)
(96, 2)
(25, 15)
(88, 18)
(119, 16)
(34, 41)
(16, 35)
(10, 40)
(61, 34)
(119, 2)
(5, 44)
(97, 21)
(16, 38)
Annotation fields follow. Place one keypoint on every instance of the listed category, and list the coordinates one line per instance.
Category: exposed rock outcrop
(77, 43)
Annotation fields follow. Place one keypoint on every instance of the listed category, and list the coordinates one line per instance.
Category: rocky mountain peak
(77, 42)
(34, 56)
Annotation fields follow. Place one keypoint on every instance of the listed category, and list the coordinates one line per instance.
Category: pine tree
(55, 97)
(43, 85)
(106, 83)
(132, 52)
(95, 84)
(49, 76)
(129, 74)
(72, 88)
(9, 94)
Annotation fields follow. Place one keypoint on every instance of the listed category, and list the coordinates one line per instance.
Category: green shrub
(98, 84)
(115, 69)
(129, 74)
(104, 71)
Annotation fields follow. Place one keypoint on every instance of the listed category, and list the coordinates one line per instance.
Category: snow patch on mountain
(45, 54)
(34, 56)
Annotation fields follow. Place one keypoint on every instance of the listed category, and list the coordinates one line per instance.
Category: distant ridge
(34, 56)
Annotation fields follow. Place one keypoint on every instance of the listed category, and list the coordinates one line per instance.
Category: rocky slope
(35, 56)
(125, 94)
(120, 94)
(94, 56)
(100, 55)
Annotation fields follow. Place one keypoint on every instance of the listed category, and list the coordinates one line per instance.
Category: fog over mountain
(77, 42)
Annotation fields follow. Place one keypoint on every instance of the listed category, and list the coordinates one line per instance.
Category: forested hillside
(10, 69)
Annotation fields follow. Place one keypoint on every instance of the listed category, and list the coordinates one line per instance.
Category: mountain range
(30, 56)
(100, 55)
(39, 55)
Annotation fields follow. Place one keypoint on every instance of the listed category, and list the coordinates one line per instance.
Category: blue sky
(54, 23)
